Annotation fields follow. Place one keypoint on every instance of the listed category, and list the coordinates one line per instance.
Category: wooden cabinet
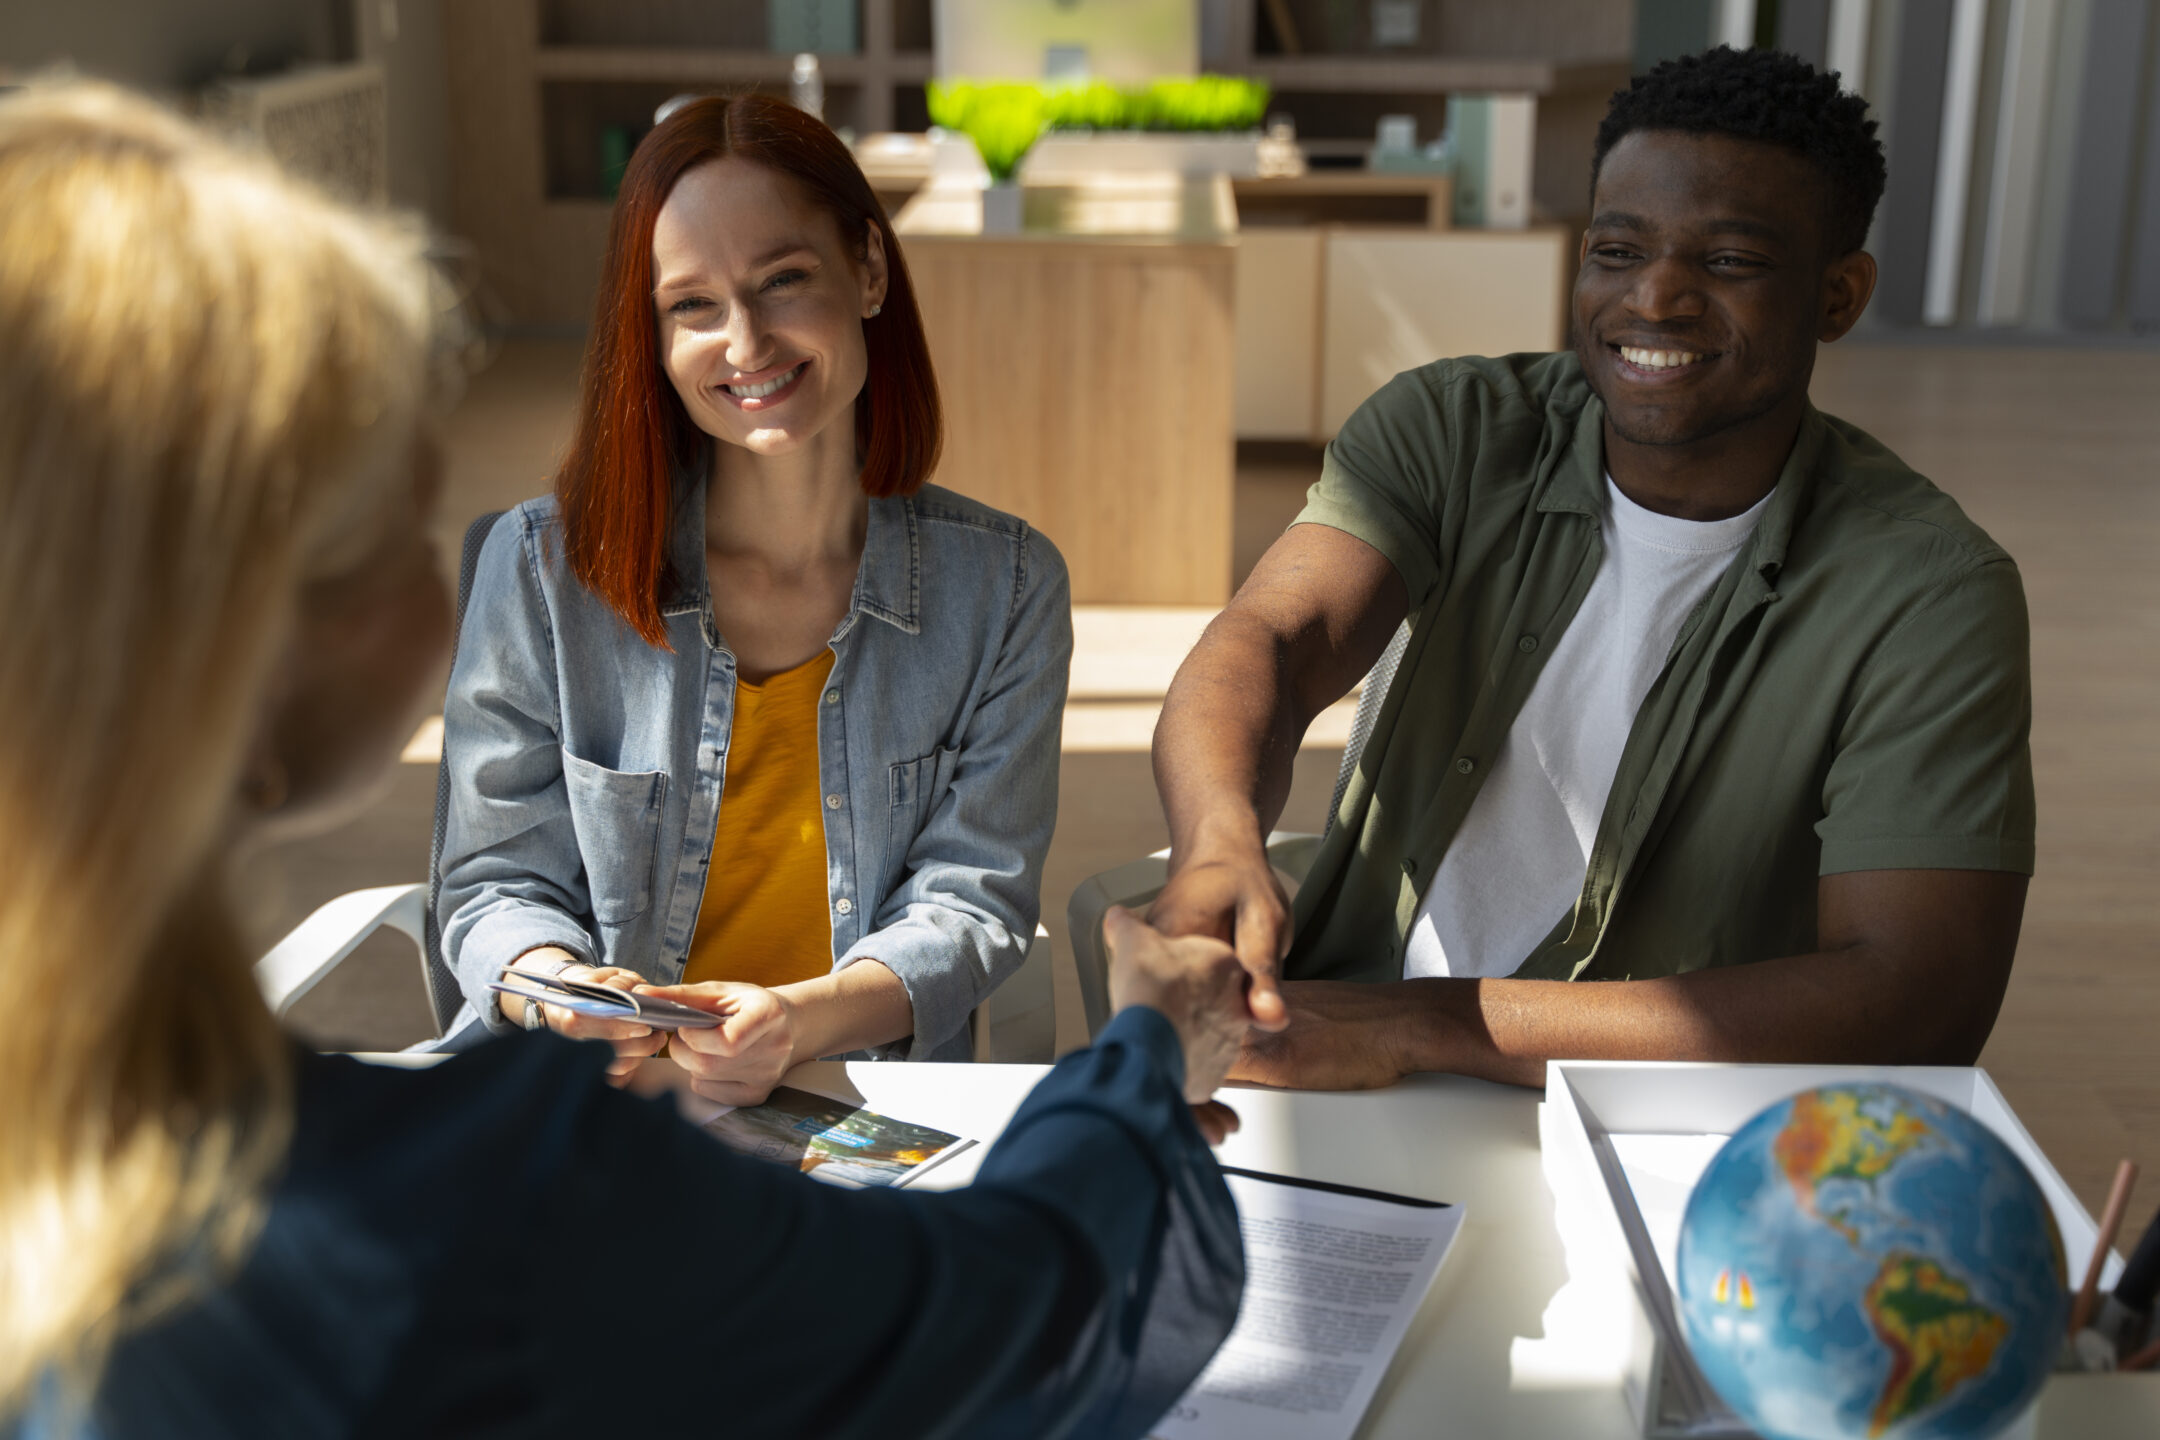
(1278, 332)
(1327, 315)
(1395, 300)
(1087, 389)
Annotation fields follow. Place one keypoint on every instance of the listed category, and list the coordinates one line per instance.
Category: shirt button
(1465, 765)
(844, 905)
(1528, 644)
(1410, 866)
(832, 697)
(832, 802)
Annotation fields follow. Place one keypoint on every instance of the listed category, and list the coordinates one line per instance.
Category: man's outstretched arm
(1912, 970)
(1313, 618)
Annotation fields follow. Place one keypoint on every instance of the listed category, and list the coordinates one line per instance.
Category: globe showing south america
(1866, 1261)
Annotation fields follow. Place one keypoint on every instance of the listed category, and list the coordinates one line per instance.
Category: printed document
(1332, 1279)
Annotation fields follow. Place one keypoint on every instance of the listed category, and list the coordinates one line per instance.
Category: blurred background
(1164, 247)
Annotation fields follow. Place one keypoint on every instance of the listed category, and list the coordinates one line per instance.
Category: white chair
(1137, 882)
(1016, 1023)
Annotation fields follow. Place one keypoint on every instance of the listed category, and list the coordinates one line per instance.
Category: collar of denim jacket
(888, 579)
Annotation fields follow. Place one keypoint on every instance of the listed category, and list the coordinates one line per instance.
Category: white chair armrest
(318, 944)
(1016, 1024)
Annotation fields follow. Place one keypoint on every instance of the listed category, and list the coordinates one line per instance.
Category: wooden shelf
(1433, 74)
(702, 65)
(534, 84)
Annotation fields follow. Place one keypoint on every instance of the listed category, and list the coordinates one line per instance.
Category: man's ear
(1847, 285)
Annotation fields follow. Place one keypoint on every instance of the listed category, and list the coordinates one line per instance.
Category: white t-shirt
(1517, 864)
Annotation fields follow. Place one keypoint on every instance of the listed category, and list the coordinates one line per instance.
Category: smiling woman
(619, 480)
(749, 711)
(215, 397)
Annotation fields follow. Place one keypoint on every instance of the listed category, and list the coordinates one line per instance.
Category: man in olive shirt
(1705, 694)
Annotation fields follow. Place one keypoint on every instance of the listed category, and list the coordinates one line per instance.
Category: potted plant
(1003, 120)
(1205, 125)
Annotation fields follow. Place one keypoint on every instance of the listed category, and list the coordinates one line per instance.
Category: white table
(1435, 1137)
(1477, 1362)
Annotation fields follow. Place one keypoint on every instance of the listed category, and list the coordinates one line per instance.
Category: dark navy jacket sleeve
(420, 1271)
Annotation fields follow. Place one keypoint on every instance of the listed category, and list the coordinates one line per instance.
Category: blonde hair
(208, 378)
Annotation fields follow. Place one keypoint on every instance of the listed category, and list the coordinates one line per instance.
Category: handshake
(1198, 983)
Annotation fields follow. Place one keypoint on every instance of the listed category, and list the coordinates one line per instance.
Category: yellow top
(763, 918)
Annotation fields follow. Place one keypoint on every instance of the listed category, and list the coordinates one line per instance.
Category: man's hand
(1341, 1036)
(1314, 615)
(740, 1060)
(1195, 982)
(633, 1042)
(1234, 897)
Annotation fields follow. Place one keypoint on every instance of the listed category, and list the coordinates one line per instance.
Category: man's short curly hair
(1773, 97)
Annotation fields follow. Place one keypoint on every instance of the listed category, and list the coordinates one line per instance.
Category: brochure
(1333, 1277)
(834, 1141)
(605, 1002)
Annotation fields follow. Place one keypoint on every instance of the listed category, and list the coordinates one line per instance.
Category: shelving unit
(536, 83)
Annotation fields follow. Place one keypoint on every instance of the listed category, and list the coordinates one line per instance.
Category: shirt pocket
(917, 786)
(617, 819)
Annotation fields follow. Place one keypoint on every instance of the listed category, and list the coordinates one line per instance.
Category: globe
(1862, 1260)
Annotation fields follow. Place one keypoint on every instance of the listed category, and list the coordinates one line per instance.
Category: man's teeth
(1658, 359)
(759, 392)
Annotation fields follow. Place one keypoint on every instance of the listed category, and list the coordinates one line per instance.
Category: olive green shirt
(1855, 693)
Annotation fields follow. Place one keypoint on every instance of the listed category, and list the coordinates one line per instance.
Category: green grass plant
(1004, 119)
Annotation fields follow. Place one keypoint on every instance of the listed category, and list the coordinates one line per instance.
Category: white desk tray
(1591, 1105)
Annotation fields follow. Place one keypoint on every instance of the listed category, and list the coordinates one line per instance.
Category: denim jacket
(586, 767)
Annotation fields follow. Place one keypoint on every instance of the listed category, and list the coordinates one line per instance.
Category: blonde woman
(220, 609)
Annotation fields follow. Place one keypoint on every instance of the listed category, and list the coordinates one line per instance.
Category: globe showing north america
(1866, 1261)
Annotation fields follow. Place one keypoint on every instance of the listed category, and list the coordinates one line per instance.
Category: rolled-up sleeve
(512, 880)
(1380, 480)
(963, 915)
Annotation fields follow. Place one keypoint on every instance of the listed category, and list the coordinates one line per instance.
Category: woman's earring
(875, 310)
(267, 786)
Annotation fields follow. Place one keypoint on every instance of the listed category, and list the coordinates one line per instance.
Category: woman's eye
(784, 279)
(687, 305)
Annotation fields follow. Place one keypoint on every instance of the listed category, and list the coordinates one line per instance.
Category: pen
(2088, 1295)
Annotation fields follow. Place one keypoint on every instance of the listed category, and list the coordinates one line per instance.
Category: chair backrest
(444, 995)
(1370, 698)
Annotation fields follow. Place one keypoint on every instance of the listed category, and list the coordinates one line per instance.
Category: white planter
(1066, 157)
(1001, 209)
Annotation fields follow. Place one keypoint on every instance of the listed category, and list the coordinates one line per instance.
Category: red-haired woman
(746, 710)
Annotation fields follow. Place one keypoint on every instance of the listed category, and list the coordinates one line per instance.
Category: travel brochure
(833, 1141)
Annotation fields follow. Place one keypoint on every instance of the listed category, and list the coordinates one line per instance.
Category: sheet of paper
(1331, 1284)
(1662, 1171)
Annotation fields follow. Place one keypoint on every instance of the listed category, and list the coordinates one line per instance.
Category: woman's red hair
(615, 490)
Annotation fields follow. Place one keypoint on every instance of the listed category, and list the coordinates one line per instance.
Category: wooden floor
(2057, 454)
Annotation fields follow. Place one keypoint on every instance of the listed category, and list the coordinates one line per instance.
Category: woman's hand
(739, 1061)
(633, 1042)
(1196, 982)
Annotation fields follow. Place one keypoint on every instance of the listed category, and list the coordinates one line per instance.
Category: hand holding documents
(1332, 1279)
(604, 1002)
